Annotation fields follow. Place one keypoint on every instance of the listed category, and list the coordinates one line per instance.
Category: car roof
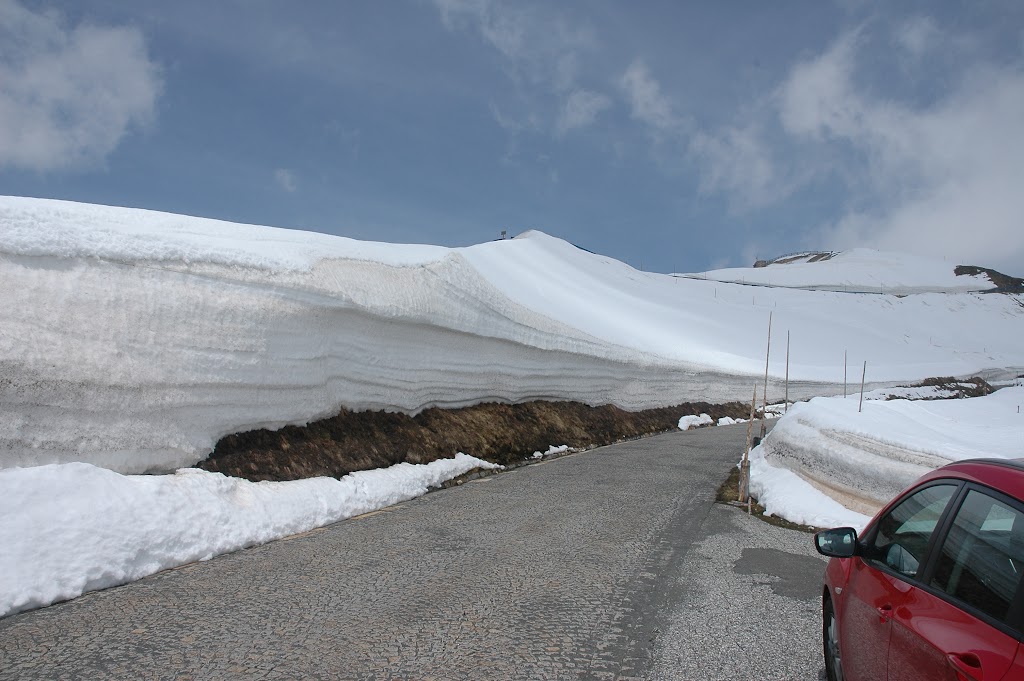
(1004, 475)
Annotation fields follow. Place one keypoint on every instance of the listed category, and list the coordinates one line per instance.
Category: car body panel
(1005, 475)
(927, 630)
(862, 625)
(1016, 671)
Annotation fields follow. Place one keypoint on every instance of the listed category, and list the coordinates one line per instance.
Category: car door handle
(967, 666)
(884, 613)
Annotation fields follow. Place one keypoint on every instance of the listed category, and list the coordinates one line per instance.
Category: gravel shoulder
(748, 606)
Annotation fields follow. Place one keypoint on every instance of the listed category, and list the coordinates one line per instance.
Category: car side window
(982, 557)
(904, 532)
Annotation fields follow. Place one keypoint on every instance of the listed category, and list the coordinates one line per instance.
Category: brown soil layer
(501, 433)
(968, 387)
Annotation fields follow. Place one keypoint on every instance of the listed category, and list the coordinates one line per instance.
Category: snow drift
(134, 340)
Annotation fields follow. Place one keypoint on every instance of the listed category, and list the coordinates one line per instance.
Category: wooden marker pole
(764, 402)
(785, 409)
(862, 375)
(744, 486)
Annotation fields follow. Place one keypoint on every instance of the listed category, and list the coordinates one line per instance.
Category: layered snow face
(72, 528)
(134, 340)
(859, 270)
(825, 463)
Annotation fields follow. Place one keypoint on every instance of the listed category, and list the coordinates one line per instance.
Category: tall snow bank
(134, 340)
(72, 528)
(824, 452)
(67, 230)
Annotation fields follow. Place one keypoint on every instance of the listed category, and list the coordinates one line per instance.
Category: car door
(962, 624)
(892, 555)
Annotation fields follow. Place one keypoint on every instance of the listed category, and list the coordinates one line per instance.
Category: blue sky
(674, 136)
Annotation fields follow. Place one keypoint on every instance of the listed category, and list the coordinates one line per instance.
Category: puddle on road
(796, 576)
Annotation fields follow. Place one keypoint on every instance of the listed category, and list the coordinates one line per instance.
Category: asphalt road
(608, 564)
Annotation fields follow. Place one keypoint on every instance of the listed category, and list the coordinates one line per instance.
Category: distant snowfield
(858, 270)
(826, 464)
(134, 340)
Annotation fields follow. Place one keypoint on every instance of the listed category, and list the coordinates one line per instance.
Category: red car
(931, 589)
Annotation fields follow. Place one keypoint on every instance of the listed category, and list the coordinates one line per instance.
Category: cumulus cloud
(286, 180)
(68, 95)
(541, 55)
(815, 100)
(646, 101)
(948, 178)
(917, 35)
(736, 160)
(538, 46)
(581, 109)
(945, 178)
(938, 177)
(455, 12)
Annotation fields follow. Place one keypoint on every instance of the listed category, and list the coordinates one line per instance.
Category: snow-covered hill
(860, 270)
(134, 340)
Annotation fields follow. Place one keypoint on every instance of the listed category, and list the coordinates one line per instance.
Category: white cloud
(816, 100)
(939, 177)
(541, 55)
(581, 109)
(455, 12)
(943, 179)
(538, 46)
(952, 186)
(68, 95)
(647, 103)
(918, 35)
(736, 160)
(286, 179)
(506, 32)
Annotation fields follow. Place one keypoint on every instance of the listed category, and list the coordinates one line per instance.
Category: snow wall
(142, 369)
(859, 471)
(862, 458)
(134, 340)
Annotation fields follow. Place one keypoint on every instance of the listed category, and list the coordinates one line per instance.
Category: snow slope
(857, 270)
(826, 464)
(134, 340)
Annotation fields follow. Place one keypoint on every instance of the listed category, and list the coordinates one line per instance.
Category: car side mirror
(840, 542)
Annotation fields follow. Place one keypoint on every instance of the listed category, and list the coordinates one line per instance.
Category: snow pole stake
(785, 409)
(764, 403)
(863, 373)
(744, 486)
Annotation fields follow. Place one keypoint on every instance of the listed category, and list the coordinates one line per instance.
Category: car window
(904, 532)
(982, 557)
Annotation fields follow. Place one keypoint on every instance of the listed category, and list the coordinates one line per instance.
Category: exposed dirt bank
(502, 433)
(1003, 282)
